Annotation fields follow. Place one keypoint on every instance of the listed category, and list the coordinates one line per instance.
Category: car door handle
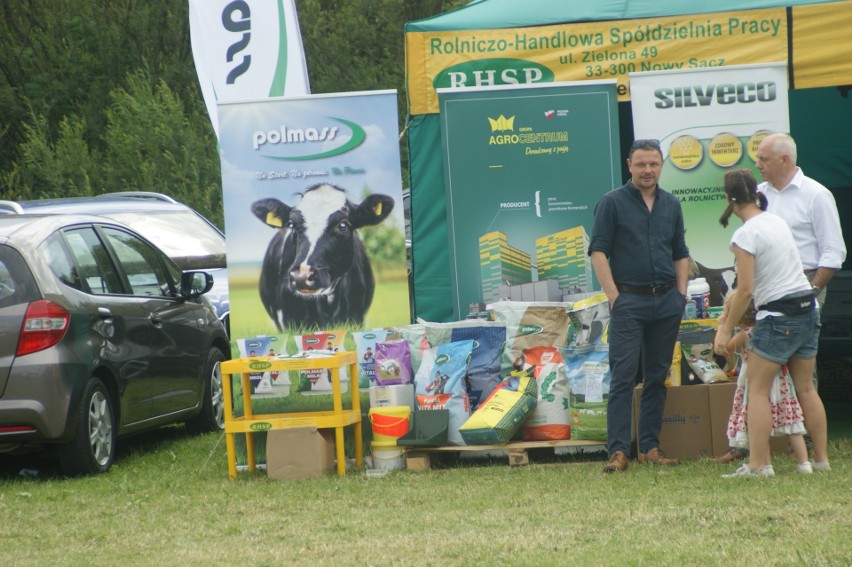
(104, 313)
(156, 320)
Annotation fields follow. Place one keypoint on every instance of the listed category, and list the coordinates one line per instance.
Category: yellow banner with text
(612, 49)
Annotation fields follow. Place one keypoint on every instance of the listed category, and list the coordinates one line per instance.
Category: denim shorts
(780, 338)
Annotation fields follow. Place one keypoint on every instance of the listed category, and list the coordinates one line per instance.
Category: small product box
(299, 452)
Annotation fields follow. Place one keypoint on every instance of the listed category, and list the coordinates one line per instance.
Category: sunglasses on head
(645, 144)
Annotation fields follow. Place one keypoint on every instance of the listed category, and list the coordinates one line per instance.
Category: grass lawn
(168, 501)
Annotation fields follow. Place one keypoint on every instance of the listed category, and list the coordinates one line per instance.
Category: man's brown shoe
(730, 456)
(617, 462)
(656, 457)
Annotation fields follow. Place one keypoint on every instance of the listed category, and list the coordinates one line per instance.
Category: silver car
(192, 241)
(102, 335)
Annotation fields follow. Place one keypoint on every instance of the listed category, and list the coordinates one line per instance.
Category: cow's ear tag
(273, 220)
(378, 209)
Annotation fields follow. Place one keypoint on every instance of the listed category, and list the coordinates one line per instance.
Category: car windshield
(182, 235)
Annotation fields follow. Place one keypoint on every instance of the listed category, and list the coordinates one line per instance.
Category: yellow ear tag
(273, 220)
(378, 209)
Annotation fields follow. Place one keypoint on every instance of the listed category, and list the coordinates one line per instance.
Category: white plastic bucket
(388, 457)
(393, 395)
(698, 290)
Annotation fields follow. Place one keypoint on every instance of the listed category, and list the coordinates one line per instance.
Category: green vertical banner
(708, 122)
(524, 167)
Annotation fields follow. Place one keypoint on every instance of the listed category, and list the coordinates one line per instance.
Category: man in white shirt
(807, 206)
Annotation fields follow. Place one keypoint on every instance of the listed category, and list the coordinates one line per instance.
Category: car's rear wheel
(92, 449)
(212, 415)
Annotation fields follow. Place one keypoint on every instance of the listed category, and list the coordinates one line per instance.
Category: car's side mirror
(193, 284)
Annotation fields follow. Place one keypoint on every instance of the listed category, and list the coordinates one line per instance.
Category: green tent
(561, 33)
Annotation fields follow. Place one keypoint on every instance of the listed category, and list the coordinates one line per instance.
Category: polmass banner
(313, 213)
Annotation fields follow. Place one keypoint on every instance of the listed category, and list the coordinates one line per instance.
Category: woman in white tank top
(769, 271)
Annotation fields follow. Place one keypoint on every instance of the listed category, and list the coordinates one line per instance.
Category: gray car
(102, 335)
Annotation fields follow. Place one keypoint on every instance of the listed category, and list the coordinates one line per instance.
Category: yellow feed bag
(501, 415)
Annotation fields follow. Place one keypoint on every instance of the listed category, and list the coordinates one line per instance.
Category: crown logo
(502, 123)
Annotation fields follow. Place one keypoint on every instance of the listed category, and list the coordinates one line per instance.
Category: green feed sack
(551, 419)
(589, 377)
(588, 421)
(589, 320)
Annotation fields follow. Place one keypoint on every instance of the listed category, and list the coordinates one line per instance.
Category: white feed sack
(551, 418)
(528, 325)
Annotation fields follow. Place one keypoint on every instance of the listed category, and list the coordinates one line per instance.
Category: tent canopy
(494, 14)
(817, 50)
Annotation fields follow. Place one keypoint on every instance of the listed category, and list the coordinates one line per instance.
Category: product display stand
(250, 423)
(418, 459)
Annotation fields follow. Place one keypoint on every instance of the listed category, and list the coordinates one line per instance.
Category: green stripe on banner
(279, 80)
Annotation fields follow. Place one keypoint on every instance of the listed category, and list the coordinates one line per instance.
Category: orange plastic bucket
(389, 423)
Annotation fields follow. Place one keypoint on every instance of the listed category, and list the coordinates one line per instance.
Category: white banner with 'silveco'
(709, 121)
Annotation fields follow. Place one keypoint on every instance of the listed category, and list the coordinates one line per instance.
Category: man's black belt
(647, 289)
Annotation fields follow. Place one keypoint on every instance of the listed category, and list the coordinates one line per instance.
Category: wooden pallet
(419, 458)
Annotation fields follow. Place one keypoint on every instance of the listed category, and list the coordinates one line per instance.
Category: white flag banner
(246, 50)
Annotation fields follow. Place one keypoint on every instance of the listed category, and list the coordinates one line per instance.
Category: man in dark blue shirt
(641, 260)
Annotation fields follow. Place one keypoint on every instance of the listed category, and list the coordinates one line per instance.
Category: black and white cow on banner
(316, 272)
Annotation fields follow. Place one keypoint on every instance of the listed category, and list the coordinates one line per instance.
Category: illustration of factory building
(501, 264)
(562, 257)
(563, 267)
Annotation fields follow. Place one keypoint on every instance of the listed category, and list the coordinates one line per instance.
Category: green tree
(154, 143)
(99, 96)
(60, 58)
(63, 166)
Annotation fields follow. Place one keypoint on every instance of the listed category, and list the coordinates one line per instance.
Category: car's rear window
(17, 284)
(183, 236)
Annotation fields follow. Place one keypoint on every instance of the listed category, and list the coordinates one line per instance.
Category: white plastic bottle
(699, 291)
(691, 310)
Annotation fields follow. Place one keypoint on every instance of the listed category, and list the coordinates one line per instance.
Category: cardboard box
(686, 421)
(721, 399)
(299, 452)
